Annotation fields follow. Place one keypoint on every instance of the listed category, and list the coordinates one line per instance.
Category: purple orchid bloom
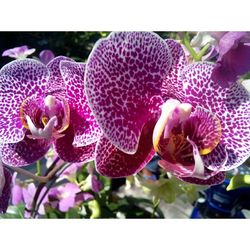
(17, 190)
(67, 196)
(19, 52)
(203, 129)
(43, 105)
(24, 193)
(234, 57)
(46, 56)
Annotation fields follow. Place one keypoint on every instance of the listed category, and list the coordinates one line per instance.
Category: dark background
(76, 45)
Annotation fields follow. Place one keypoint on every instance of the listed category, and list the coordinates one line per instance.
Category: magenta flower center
(45, 118)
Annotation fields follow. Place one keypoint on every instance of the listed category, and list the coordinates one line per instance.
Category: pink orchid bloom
(146, 100)
(18, 52)
(44, 105)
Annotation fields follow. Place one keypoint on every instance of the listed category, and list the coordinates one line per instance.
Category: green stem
(186, 42)
(202, 52)
(38, 168)
(155, 206)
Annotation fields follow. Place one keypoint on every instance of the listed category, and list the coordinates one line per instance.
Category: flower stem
(186, 42)
(202, 52)
(42, 179)
(155, 206)
(38, 168)
(36, 206)
(42, 184)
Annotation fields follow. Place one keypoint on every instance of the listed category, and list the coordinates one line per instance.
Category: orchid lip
(46, 118)
(39, 133)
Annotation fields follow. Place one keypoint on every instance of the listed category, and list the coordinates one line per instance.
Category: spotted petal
(67, 152)
(86, 130)
(18, 80)
(232, 107)
(24, 152)
(124, 71)
(204, 128)
(56, 83)
(6, 192)
(112, 162)
(172, 85)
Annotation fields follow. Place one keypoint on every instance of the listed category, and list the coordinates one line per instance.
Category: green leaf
(14, 212)
(52, 215)
(239, 181)
(95, 209)
(73, 213)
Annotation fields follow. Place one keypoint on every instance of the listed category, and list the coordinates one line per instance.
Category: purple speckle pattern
(86, 130)
(33, 107)
(56, 85)
(67, 152)
(18, 80)
(123, 72)
(112, 162)
(231, 105)
(172, 85)
(217, 158)
(24, 152)
(203, 128)
(6, 192)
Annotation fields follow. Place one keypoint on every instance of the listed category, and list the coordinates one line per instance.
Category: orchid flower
(233, 52)
(42, 106)
(234, 58)
(17, 190)
(18, 52)
(146, 99)
(23, 192)
(67, 196)
(46, 56)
